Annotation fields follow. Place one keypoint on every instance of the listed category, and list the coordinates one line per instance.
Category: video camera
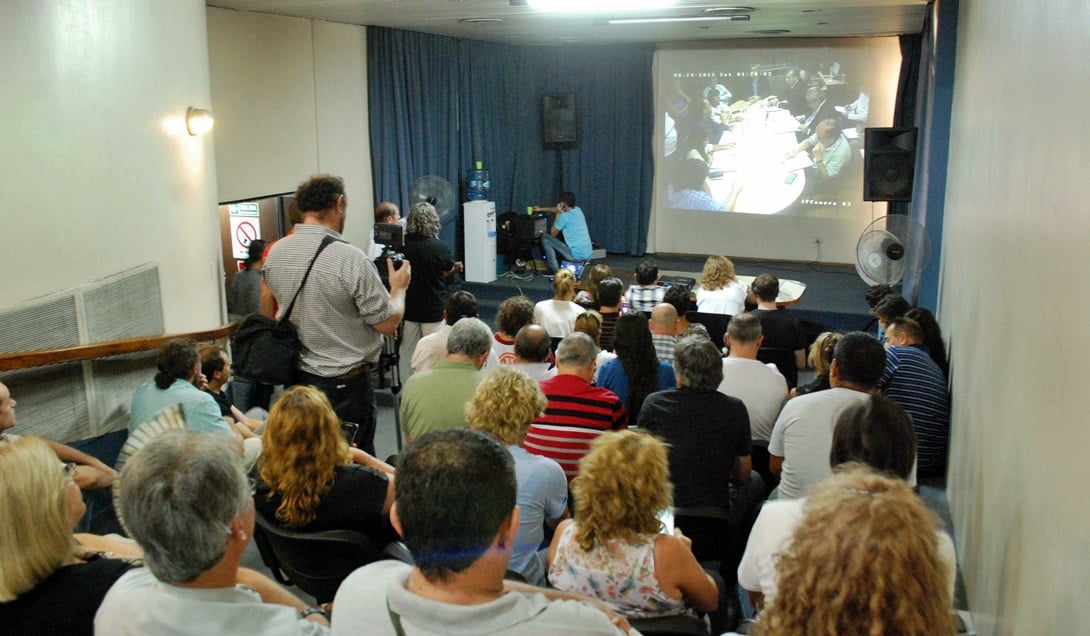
(391, 237)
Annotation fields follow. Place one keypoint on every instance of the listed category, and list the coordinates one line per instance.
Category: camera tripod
(388, 361)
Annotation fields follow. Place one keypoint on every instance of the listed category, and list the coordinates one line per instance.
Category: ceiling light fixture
(703, 18)
(599, 6)
(713, 10)
(481, 20)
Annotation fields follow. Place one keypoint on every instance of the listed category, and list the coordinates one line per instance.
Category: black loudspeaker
(889, 164)
(528, 228)
(558, 119)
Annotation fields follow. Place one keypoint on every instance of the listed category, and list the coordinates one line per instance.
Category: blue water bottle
(479, 185)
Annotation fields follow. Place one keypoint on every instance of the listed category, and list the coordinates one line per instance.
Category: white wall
(99, 174)
(290, 99)
(1014, 295)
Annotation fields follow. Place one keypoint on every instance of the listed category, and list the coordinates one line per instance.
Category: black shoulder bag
(268, 350)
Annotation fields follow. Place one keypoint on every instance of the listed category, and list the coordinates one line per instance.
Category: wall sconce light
(197, 121)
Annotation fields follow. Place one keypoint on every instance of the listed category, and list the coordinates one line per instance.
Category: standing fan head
(436, 191)
(888, 247)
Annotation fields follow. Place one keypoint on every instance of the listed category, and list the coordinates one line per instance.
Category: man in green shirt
(435, 400)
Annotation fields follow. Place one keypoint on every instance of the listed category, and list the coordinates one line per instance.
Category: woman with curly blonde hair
(865, 561)
(558, 313)
(311, 480)
(720, 291)
(51, 582)
(505, 404)
(614, 549)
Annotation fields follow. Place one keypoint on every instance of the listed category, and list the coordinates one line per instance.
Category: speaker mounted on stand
(889, 164)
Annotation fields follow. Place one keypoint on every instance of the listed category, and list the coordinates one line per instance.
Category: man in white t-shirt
(876, 433)
(799, 446)
(760, 386)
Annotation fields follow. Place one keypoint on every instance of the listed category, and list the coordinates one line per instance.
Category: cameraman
(433, 264)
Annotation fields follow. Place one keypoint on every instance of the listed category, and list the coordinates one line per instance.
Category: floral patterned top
(620, 574)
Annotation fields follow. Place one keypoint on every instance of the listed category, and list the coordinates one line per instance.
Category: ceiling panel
(522, 25)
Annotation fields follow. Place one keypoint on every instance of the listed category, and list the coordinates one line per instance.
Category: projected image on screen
(771, 131)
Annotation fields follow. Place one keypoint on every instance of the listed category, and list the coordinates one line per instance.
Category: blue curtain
(438, 104)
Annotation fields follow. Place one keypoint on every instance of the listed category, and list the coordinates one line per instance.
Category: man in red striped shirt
(577, 412)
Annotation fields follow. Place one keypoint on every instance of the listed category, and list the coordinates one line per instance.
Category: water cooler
(479, 219)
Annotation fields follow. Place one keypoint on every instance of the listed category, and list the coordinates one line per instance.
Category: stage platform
(833, 301)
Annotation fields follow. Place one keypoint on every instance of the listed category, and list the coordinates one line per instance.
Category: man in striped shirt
(343, 311)
(917, 385)
(577, 412)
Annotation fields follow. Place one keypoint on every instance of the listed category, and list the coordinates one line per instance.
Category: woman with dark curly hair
(637, 371)
(614, 550)
(932, 337)
(312, 480)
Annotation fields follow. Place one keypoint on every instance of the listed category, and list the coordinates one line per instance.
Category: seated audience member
(678, 296)
(916, 384)
(505, 405)
(688, 187)
(558, 313)
(613, 549)
(876, 434)
(513, 314)
(636, 372)
(577, 412)
(455, 509)
(50, 583)
(186, 501)
(433, 347)
(761, 387)
(889, 307)
(779, 329)
(865, 558)
(435, 399)
(595, 274)
(244, 297)
(720, 291)
(177, 383)
(92, 473)
(663, 326)
(312, 480)
(216, 368)
(707, 433)
(932, 337)
(590, 323)
(821, 356)
(610, 297)
(799, 447)
(646, 293)
(532, 353)
(876, 293)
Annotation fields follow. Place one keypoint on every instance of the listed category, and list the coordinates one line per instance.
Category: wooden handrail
(43, 357)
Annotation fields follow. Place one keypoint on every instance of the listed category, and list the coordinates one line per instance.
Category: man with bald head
(663, 325)
(385, 212)
(829, 149)
(577, 412)
(532, 347)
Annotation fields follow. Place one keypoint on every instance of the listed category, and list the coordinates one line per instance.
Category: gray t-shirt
(370, 595)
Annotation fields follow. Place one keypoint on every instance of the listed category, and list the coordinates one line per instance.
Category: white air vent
(77, 400)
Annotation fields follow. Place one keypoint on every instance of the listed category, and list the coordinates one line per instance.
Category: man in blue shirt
(569, 219)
